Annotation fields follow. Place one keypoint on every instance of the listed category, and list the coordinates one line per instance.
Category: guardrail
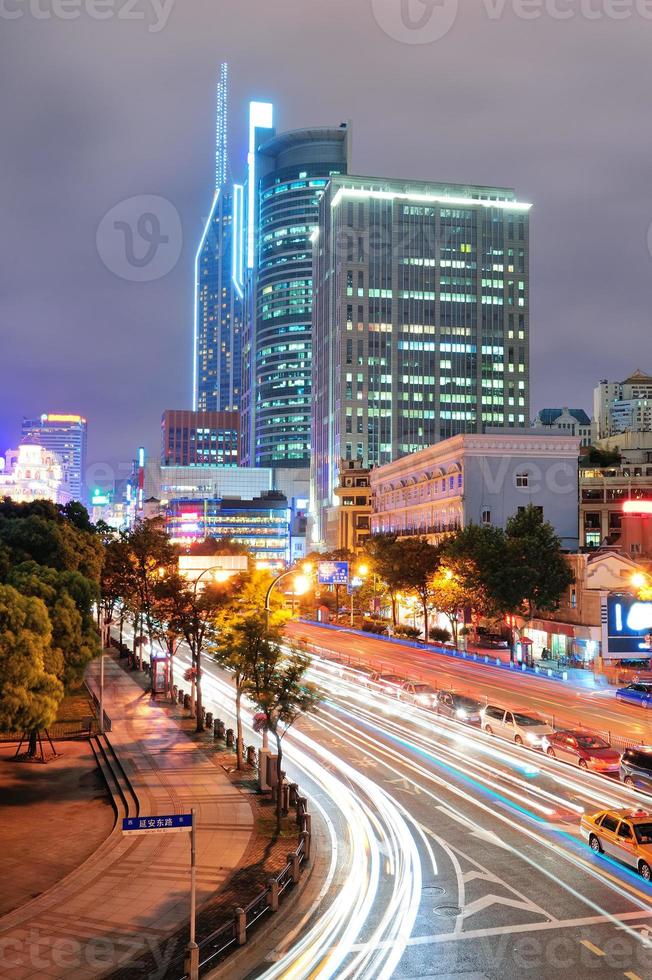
(61, 730)
(235, 933)
(96, 704)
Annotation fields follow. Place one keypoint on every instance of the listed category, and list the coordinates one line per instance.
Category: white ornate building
(480, 479)
(32, 472)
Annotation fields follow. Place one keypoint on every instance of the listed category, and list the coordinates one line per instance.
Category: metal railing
(235, 932)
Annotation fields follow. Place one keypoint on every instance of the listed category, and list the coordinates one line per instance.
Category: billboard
(333, 573)
(629, 625)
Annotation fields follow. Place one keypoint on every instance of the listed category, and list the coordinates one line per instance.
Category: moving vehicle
(417, 693)
(515, 726)
(636, 767)
(388, 683)
(458, 706)
(583, 749)
(640, 694)
(622, 834)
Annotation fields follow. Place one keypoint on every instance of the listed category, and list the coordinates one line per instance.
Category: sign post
(174, 823)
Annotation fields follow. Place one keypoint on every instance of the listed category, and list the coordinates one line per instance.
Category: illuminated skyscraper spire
(222, 134)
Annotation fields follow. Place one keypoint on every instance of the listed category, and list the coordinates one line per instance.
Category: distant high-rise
(64, 435)
(287, 176)
(623, 406)
(200, 438)
(219, 280)
(420, 320)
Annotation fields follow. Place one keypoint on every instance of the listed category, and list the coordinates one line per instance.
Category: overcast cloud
(96, 112)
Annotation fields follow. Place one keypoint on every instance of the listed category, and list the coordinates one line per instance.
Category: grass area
(76, 705)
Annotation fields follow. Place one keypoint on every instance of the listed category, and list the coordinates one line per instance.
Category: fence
(235, 933)
(61, 730)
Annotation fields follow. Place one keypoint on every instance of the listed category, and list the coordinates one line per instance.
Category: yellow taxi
(622, 834)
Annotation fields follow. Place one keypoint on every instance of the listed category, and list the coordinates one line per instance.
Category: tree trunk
(425, 620)
(33, 743)
(238, 725)
(279, 787)
(171, 668)
(122, 619)
(393, 599)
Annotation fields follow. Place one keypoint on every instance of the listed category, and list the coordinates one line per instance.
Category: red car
(583, 749)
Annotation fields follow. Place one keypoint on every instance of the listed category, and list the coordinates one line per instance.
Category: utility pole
(192, 949)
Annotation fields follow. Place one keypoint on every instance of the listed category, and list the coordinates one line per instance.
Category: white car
(515, 726)
(422, 694)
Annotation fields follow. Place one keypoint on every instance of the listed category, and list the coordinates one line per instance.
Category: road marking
(633, 976)
(593, 949)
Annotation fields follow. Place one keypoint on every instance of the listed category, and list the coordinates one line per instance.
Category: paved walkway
(131, 893)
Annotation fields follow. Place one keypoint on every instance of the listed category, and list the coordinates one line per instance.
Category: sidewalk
(128, 897)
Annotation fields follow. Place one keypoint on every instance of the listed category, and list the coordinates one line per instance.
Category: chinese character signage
(157, 825)
(333, 573)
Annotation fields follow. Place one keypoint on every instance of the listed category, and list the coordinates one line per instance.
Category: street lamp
(361, 573)
(301, 585)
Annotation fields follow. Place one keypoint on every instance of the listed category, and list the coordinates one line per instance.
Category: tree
(275, 682)
(30, 691)
(218, 546)
(386, 559)
(418, 562)
(479, 558)
(451, 596)
(536, 560)
(151, 556)
(241, 626)
(68, 597)
(117, 581)
(194, 615)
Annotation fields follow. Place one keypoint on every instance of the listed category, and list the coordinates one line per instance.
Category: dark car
(636, 767)
(640, 694)
(583, 749)
(458, 706)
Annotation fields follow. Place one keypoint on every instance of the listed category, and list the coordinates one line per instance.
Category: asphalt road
(558, 700)
(454, 854)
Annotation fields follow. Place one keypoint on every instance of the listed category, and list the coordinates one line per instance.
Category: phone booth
(160, 675)
(523, 651)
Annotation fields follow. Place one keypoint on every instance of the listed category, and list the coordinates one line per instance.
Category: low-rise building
(603, 493)
(572, 421)
(33, 472)
(480, 479)
(348, 524)
(262, 524)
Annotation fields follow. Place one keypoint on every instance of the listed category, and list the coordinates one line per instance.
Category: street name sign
(171, 823)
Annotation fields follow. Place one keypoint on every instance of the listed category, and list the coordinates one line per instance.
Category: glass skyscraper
(420, 320)
(290, 173)
(219, 282)
(64, 435)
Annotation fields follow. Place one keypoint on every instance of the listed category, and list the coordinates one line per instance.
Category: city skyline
(123, 322)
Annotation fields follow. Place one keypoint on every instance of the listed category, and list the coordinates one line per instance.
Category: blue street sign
(157, 825)
(333, 573)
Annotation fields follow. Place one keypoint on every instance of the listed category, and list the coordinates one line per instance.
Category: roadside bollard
(251, 756)
(219, 728)
(230, 738)
(186, 702)
(307, 823)
(208, 720)
(293, 861)
(180, 695)
(302, 806)
(203, 717)
(240, 927)
(285, 799)
(175, 692)
(294, 793)
(273, 894)
(305, 837)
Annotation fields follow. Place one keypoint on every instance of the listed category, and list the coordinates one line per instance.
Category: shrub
(409, 632)
(440, 635)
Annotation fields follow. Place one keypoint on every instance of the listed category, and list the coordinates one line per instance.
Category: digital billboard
(629, 625)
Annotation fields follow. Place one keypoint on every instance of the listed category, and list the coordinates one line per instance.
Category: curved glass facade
(294, 171)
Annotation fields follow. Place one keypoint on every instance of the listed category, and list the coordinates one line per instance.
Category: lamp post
(301, 585)
(361, 573)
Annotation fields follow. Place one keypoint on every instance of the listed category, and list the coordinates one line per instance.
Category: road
(567, 704)
(454, 854)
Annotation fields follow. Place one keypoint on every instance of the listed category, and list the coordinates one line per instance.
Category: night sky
(96, 112)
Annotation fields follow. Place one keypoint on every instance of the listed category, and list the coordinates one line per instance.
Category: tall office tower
(64, 435)
(420, 321)
(219, 281)
(289, 175)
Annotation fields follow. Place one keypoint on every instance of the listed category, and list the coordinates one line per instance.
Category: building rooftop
(548, 416)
